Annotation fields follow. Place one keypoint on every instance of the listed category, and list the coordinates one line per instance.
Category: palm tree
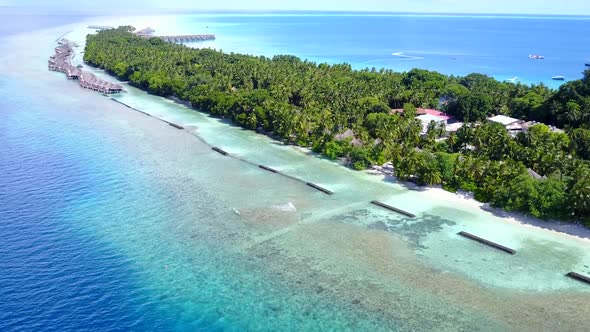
(430, 174)
(452, 141)
(579, 191)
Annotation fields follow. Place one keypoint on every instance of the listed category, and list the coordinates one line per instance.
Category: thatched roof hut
(348, 134)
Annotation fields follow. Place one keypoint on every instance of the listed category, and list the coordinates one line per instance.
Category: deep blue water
(459, 45)
(53, 275)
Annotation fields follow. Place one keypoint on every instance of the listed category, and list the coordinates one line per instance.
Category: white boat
(536, 57)
(407, 57)
(558, 78)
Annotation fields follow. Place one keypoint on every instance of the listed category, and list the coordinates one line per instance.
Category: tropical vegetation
(347, 114)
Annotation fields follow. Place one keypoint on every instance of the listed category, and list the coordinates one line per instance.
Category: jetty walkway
(61, 61)
(100, 27)
(187, 38)
(149, 33)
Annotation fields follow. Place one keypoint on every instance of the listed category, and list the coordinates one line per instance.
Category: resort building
(89, 81)
(426, 119)
(439, 114)
(426, 116)
(453, 127)
(511, 124)
(61, 61)
(146, 32)
(515, 126)
(348, 134)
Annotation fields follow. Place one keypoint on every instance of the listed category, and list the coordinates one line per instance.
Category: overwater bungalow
(90, 81)
(187, 38)
(100, 27)
(62, 61)
(73, 73)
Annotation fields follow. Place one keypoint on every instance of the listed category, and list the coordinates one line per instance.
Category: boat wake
(407, 57)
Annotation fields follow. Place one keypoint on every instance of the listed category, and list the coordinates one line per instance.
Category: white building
(427, 118)
(514, 126)
(508, 122)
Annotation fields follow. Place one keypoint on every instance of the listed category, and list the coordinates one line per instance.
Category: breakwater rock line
(394, 209)
(487, 243)
(227, 154)
(579, 277)
(571, 275)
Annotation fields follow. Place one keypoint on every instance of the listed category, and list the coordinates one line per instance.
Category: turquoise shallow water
(115, 220)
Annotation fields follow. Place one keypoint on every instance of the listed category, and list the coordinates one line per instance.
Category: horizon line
(288, 11)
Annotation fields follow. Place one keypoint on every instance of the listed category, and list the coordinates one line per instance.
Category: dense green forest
(313, 105)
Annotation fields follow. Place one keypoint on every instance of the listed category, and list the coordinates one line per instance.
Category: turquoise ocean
(498, 46)
(112, 220)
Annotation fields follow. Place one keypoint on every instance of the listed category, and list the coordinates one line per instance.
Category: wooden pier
(100, 27)
(187, 38)
(61, 61)
(149, 33)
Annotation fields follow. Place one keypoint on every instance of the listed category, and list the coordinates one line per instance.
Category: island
(519, 147)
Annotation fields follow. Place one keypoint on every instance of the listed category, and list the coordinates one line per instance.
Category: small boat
(536, 57)
(558, 78)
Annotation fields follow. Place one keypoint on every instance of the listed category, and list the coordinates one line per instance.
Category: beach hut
(348, 134)
(62, 61)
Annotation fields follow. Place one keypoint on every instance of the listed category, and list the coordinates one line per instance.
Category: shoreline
(572, 230)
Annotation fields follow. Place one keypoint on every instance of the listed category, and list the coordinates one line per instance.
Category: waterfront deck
(187, 38)
(61, 61)
(90, 81)
(100, 27)
(149, 33)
